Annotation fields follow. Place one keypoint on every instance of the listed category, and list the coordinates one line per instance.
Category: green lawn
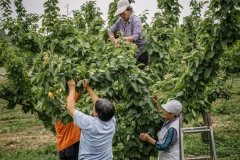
(225, 118)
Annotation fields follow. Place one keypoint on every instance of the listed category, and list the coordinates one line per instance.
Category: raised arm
(155, 101)
(71, 97)
(90, 91)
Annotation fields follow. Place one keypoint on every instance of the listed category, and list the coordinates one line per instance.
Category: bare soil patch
(14, 136)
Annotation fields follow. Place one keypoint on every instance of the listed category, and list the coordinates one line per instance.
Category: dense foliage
(185, 63)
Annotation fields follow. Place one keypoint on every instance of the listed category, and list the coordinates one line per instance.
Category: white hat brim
(165, 107)
(120, 10)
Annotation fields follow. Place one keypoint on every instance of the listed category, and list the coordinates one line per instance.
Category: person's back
(96, 137)
(97, 130)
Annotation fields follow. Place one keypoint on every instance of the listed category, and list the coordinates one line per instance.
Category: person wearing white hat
(130, 27)
(168, 136)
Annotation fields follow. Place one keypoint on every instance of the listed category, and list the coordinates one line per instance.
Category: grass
(24, 137)
(225, 118)
(46, 153)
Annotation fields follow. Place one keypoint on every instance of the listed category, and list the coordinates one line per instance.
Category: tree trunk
(204, 135)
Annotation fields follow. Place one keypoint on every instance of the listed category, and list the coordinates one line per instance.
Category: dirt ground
(20, 131)
(20, 141)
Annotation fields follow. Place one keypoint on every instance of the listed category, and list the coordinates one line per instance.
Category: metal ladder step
(203, 129)
(199, 158)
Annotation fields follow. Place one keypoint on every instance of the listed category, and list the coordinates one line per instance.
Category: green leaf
(207, 73)
(124, 65)
(196, 61)
(195, 77)
(193, 112)
(69, 60)
(131, 52)
(79, 83)
(140, 80)
(210, 54)
(63, 84)
(121, 79)
(81, 68)
(180, 93)
(66, 119)
(134, 85)
(154, 39)
(86, 45)
(94, 78)
(128, 138)
(107, 74)
(193, 86)
(93, 65)
(223, 43)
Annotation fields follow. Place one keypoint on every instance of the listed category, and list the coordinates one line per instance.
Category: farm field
(23, 136)
(196, 62)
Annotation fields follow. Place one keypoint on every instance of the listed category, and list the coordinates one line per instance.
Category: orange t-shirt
(67, 135)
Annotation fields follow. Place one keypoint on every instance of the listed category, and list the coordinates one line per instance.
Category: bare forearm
(158, 108)
(111, 37)
(151, 140)
(71, 102)
(147, 138)
(92, 94)
(129, 39)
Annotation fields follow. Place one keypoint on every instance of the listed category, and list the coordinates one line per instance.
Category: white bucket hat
(121, 6)
(173, 106)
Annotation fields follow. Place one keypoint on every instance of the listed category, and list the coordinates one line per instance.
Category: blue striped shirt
(131, 28)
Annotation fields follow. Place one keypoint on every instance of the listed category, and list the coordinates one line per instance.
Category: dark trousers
(69, 153)
(143, 58)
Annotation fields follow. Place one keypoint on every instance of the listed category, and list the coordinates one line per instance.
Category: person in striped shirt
(168, 139)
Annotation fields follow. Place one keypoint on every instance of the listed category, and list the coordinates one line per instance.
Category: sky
(36, 6)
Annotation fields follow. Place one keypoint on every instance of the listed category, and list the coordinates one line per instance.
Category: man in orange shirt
(67, 139)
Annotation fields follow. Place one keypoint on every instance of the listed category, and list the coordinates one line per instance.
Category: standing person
(168, 136)
(130, 26)
(97, 131)
(67, 139)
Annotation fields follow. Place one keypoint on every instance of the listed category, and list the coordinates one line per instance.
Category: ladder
(208, 130)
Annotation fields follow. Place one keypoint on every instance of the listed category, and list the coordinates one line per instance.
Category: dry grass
(20, 131)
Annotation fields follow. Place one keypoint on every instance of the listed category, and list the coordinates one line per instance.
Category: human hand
(116, 42)
(85, 83)
(155, 99)
(71, 84)
(144, 136)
